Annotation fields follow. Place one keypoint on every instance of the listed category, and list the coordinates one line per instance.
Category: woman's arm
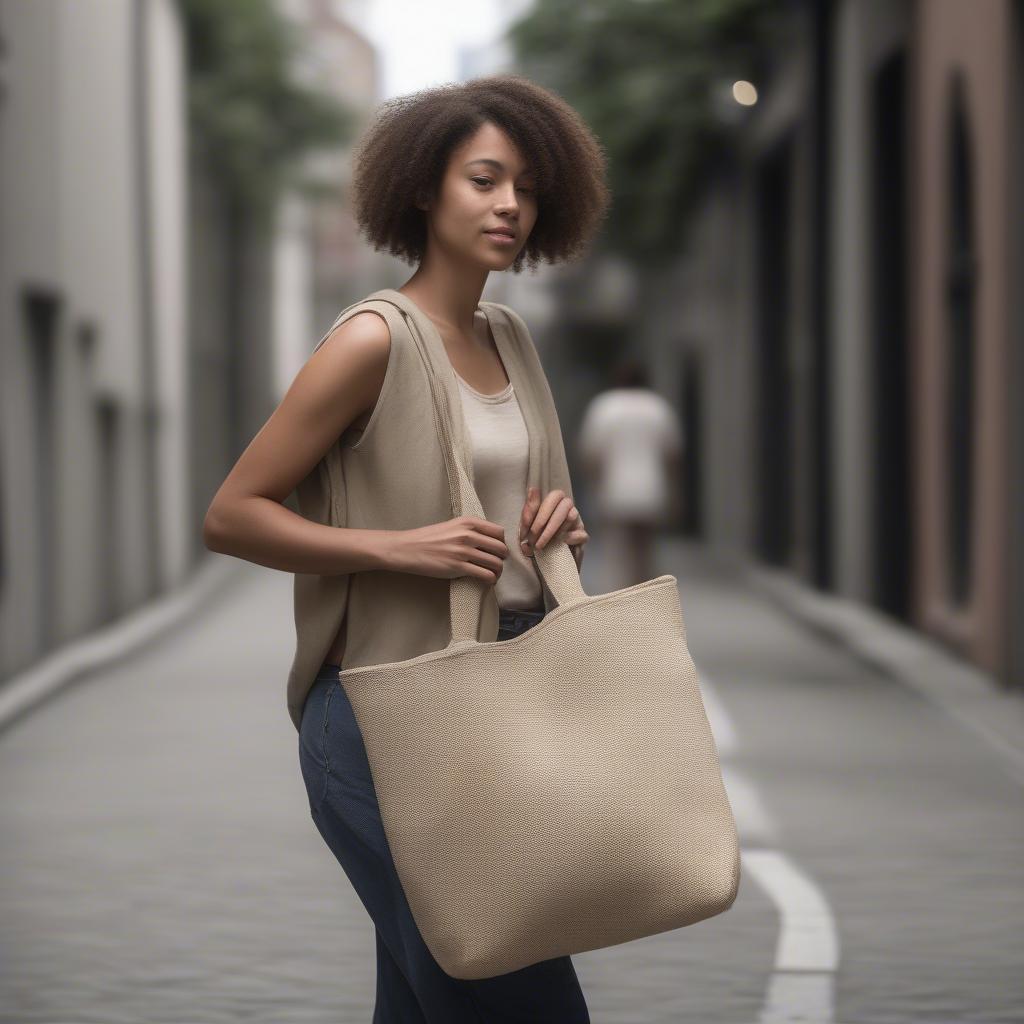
(247, 519)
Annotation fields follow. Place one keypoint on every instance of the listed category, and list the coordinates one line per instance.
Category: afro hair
(403, 155)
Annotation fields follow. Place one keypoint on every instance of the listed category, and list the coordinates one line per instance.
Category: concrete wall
(91, 180)
(866, 31)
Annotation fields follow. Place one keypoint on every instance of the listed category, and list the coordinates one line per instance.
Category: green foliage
(642, 74)
(253, 121)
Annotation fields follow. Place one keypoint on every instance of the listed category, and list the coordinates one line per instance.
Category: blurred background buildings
(830, 296)
(847, 317)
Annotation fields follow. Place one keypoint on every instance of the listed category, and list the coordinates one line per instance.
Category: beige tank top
(501, 448)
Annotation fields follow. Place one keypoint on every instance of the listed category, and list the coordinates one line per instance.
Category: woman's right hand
(463, 546)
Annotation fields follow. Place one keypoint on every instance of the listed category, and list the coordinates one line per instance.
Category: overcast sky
(419, 42)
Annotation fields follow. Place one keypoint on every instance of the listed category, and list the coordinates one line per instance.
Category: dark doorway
(772, 445)
(891, 500)
(40, 319)
(693, 444)
(961, 290)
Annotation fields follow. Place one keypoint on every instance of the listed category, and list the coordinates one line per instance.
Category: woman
(486, 175)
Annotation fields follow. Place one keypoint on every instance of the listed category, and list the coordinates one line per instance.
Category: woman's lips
(500, 237)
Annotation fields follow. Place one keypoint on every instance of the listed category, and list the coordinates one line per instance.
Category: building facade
(94, 475)
(847, 314)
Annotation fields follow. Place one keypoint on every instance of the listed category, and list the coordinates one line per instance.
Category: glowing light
(744, 93)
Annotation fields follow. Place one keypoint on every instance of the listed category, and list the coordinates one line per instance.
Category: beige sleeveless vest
(393, 478)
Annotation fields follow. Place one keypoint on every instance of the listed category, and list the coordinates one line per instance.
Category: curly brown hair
(403, 155)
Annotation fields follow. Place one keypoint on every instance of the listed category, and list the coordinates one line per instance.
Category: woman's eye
(487, 181)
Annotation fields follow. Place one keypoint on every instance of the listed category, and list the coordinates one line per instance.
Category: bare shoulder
(364, 339)
(332, 392)
(352, 364)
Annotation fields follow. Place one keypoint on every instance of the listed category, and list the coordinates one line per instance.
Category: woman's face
(486, 185)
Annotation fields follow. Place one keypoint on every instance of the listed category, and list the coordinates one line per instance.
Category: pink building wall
(975, 38)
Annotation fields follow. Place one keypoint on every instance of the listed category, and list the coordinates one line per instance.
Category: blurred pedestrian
(631, 445)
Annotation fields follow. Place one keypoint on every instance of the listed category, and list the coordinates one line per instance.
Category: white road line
(718, 718)
(755, 825)
(753, 822)
(802, 986)
(801, 989)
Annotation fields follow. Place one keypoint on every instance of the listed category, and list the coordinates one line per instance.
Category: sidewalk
(876, 787)
(962, 690)
(159, 862)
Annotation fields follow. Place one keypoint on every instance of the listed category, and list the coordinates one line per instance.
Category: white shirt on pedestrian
(629, 432)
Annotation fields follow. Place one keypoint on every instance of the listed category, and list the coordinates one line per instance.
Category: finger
(555, 523)
(529, 511)
(576, 540)
(526, 519)
(543, 514)
(493, 545)
(484, 560)
(485, 534)
(568, 530)
(573, 523)
(485, 526)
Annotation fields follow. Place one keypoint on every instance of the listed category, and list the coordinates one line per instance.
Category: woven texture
(553, 793)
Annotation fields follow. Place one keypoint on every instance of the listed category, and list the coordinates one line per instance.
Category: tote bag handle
(465, 593)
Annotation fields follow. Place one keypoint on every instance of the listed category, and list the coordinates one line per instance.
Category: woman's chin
(501, 259)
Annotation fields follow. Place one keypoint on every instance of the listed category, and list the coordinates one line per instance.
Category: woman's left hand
(555, 516)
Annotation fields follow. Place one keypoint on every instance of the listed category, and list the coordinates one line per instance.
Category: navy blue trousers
(411, 986)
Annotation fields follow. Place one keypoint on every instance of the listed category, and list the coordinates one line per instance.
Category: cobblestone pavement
(159, 864)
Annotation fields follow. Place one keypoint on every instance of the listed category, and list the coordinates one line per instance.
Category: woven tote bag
(552, 793)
